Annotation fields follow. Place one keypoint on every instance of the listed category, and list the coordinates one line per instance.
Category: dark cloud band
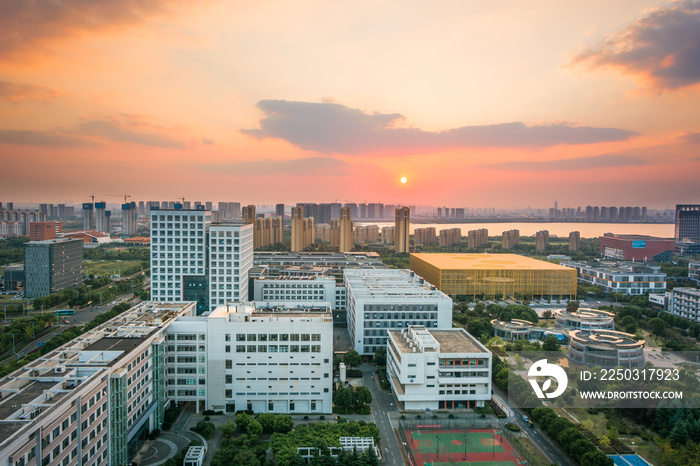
(332, 128)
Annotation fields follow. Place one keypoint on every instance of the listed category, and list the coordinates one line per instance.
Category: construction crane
(181, 199)
(119, 195)
(92, 196)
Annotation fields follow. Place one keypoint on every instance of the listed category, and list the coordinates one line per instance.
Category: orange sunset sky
(503, 104)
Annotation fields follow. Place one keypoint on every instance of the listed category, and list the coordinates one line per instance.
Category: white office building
(264, 357)
(195, 260)
(230, 260)
(432, 369)
(379, 300)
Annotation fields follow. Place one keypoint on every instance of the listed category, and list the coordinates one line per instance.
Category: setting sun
(403, 180)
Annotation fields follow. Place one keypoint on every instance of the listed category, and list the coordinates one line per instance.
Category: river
(587, 230)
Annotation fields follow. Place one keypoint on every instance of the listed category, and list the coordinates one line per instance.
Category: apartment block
(684, 302)
(631, 278)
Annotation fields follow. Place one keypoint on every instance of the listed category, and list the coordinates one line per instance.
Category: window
(229, 364)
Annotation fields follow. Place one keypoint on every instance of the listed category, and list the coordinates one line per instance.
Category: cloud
(207, 142)
(128, 128)
(332, 128)
(578, 163)
(35, 24)
(50, 139)
(691, 137)
(662, 47)
(15, 92)
(300, 167)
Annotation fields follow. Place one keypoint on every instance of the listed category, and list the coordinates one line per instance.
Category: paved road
(552, 452)
(382, 404)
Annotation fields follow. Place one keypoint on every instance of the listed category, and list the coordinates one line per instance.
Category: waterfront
(587, 230)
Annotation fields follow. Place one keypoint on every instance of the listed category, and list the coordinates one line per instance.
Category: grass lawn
(103, 267)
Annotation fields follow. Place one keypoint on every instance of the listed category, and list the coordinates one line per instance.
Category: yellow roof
(487, 262)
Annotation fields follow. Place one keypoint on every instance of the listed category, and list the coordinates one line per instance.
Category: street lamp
(32, 322)
(13, 342)
(5, 313)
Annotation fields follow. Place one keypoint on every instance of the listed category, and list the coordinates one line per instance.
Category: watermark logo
(543, 369)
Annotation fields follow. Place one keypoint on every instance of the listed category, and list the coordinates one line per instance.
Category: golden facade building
(541, 240)
(494, 274)
(345, 238)
(477, 238)
(510, 238)
(450, 236)
(423, 236)
(402, 227)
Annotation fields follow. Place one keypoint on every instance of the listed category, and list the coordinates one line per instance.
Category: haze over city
(478, 104)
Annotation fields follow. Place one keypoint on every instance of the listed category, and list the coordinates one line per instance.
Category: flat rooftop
(114, 344)
(452, 341)
(390, 283)
(485, 262)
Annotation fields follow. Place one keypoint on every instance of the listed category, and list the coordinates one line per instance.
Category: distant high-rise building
(88, 216)
(249, 214)
(477, 238)
(388, 235)
(451, 236)
(688, 222)
(129, 216)
(366, 234)
(423, 236)
(267, 231)
(279, 210)
(354, 211)
(345, 241)
(574, 241)
(52, 265)
(510, 239)
(302, 229)
(101, 217)
(541, 240)
(402, 228)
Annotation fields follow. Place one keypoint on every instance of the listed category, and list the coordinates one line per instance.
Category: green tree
(228, 429)
(267, 420)
(605, 441)
(380, 356)
(283, 423)
(246, 458)
(547, 315)
(352, 358)
(344, 398)
(254, 429)
(551, 343)
(657, 326)
(363, 395)
(242, 421)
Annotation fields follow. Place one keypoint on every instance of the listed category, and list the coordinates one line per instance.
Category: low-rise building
(630, 278)
(431, 369)
(586, 320)
(636, 247)
(694, 271)
(52, 265)
(606, 348)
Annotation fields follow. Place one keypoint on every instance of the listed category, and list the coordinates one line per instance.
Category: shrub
(205, 429)
(512, 427)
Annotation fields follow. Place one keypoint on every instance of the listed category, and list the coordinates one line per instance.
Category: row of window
(278, 348)
(276, 337)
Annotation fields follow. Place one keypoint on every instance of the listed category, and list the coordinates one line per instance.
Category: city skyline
(474, 104)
